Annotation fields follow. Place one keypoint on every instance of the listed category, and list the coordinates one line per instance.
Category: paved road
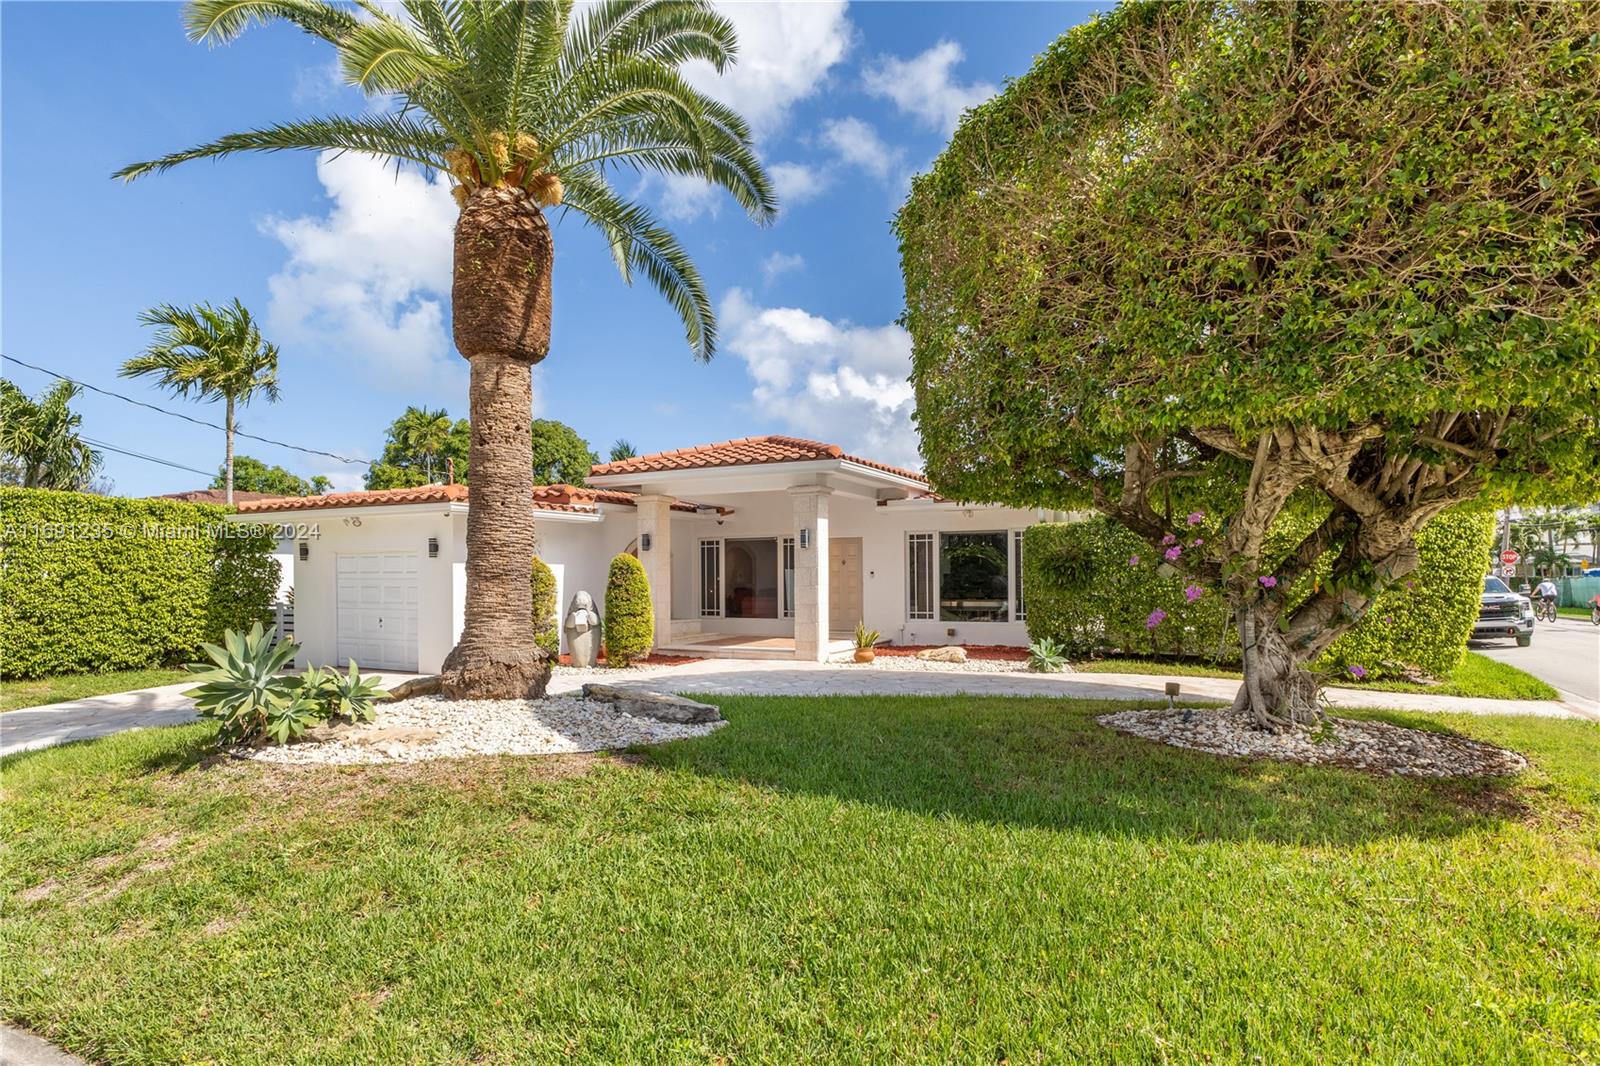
(1564, 653)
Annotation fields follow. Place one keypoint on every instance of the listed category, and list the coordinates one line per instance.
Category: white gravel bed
(428, 727)
(932, 666)
(606, 674)
(1375, 746)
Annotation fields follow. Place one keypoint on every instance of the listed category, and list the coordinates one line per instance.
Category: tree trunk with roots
(1278, 690)
(501, 309)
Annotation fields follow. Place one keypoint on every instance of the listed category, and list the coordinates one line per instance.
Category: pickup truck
(1502, 614)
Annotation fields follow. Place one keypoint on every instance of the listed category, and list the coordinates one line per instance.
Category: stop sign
(1510, 557)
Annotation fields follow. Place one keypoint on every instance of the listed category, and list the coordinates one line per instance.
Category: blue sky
(348, 264)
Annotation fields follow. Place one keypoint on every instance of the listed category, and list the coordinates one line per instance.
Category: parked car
(1503, 613)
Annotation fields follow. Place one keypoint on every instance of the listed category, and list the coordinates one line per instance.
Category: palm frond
(222, 21)
(639, 243)
(385, 136)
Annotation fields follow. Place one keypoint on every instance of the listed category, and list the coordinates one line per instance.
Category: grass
(1573, 612)
(15, 695)
(825, 880)
(1478, 675)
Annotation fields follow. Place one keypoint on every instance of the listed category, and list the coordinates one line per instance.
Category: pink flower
(1358, 672)
(1388, 618)
(1196, 542)
(1193, 592)
(1173, 553)
(1268, 582)
(1196, 517)
(1133, 560)
(1169, 539)
(1157, 616)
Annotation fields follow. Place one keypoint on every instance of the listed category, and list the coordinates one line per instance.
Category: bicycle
(1544, 609)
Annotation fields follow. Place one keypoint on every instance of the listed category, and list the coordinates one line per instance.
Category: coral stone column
(810, 572)
(655, 522)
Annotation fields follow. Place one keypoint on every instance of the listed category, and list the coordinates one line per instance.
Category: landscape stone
(662, 707)
(951, 653)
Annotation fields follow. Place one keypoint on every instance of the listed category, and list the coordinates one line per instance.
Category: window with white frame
(711, 579)
(921, 566)
(964, 577)
(788, 577)
(1018, 608)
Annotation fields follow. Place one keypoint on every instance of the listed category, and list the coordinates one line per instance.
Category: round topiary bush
(546, 626)
(630, 617)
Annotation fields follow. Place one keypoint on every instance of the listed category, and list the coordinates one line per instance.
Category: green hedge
(1082, 590)
(546, 627)
(630, 617)
(93, 583)
(1426, 619)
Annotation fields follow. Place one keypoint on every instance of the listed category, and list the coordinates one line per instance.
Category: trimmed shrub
(1083, 591)
(546, 627)
(1426, 619)
(630, 616)
(95, 583)
(1092, 588)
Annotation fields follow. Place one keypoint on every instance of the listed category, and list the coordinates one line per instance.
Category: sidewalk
(97, 716)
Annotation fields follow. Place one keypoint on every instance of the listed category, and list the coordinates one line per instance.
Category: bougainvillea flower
(1174, 552)
(1196, 517)
(1193, 592)
(1157, 616)
(1268, 582)
(1133, 560)
(1358, 672)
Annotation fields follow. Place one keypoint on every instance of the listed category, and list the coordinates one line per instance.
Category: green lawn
(17, 694)
(825, 880)
(1478, 675)
(1573, 612)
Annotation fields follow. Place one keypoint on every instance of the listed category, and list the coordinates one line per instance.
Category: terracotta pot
(865, 655)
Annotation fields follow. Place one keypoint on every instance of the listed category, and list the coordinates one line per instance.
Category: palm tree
(39, 441)
(525, 106)
(423, 433)
(213, 353)
(622, 450)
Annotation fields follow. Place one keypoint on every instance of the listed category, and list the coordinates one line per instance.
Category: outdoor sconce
(644, 542)
(805, 537)
(433, 547)
(305, 551)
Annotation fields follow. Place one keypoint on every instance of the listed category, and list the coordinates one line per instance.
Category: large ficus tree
(527, 107)
(1209, 263)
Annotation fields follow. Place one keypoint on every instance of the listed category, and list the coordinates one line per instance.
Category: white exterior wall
(883, 562)
(316, 614)
(580, 553)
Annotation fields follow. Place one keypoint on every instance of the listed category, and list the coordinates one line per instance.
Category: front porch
(747, 646)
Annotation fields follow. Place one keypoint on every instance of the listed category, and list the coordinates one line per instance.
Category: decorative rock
(427, 685)
(949, 654)
(1377, 747)
(583, 630)
(661, 707)
(387, 736)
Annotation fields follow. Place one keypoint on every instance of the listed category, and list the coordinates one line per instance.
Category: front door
(844, 584)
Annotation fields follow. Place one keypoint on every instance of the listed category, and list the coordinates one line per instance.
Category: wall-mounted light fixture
(805, 537)
(644, 542)
(433, 547)
(305, 551)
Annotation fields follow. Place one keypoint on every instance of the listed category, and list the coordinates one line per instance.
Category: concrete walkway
(97, 716)
(19, 1048)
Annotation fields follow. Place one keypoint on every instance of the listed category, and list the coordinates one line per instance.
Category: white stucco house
(764, 547)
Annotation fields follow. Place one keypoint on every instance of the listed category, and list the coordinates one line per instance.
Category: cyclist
(1546, 595)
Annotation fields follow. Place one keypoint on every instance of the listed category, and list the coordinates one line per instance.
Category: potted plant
(865, 639)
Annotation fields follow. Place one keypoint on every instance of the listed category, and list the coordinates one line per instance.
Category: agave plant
(244, 689)
(1046, 656)
(866, 638)
(351, 695)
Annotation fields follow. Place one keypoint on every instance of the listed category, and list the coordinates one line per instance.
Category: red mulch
(997, 652)
(649, 660)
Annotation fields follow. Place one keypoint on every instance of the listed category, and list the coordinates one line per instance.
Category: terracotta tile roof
(747, 451)
(570, 499)
(370, 498)
(212, 496)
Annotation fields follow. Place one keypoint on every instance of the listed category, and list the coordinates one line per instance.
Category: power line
(178, 414)
(102, 445)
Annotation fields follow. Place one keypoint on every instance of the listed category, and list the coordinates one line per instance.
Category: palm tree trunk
(228, 477)
(501, 313)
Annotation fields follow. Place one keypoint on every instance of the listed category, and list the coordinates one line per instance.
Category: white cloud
(836, 382)
(858, 144)
(922, 85)
(795, 183)
(685, 198)
(779, 263)
(785, 53)
(370, 280)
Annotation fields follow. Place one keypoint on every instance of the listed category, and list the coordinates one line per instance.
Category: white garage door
(378, 611)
